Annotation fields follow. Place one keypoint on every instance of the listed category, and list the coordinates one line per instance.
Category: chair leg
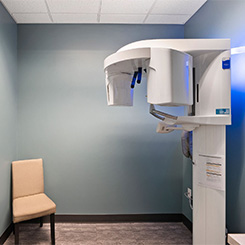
(41, 221)
(52, 224)
(16, 231)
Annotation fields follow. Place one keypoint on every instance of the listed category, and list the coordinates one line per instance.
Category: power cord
(190, 200)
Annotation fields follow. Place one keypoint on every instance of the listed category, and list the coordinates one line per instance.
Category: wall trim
(187, 222)
(6, 234)
(107, 218)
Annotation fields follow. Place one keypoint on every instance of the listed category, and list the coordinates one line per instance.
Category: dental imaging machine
(193, 73)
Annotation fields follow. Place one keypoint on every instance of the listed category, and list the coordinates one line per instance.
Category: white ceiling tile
(32, 18)
(25, 6)
(109, 11)
(177, 6)
(122, 18)
(126, 6)
(74, 18)
(167, 19)
(74, 6)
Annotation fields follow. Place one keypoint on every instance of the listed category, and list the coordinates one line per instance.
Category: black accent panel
(197, 93)
(194, 91)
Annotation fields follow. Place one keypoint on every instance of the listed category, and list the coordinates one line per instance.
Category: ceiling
(102, 11)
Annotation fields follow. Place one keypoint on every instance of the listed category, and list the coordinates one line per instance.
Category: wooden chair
(29, 200)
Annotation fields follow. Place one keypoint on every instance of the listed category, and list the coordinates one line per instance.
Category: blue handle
(139, 75)
(134, 79)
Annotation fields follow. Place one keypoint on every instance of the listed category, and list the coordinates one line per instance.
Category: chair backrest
(27, 177)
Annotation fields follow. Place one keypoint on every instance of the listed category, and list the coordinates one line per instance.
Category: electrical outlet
(189, 192)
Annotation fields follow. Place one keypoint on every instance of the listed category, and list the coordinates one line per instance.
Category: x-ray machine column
(193, 73)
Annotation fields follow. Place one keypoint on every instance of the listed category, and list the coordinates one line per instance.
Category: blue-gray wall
(8, 77)
(225, 19)
(97, 159)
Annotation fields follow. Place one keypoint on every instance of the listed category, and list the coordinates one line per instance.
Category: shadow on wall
(235, 148)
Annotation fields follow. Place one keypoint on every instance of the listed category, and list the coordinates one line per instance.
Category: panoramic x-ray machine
(193, 73)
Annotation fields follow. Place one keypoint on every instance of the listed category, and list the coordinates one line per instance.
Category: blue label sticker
(223, 111)
(226, 63)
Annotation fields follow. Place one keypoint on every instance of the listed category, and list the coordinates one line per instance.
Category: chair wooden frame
(52, 228)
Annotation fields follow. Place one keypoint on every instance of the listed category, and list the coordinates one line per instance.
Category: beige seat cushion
(33, 206)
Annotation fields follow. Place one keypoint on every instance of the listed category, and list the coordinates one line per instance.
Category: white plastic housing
(119, 92)
(119, 70)
(169, 76)
(169, 81)
(214, 84)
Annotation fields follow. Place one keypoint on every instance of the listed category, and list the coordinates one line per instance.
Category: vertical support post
(52, 227)
(208, 203)
(16, 231)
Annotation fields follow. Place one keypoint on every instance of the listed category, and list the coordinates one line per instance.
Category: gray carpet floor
(105, 234)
